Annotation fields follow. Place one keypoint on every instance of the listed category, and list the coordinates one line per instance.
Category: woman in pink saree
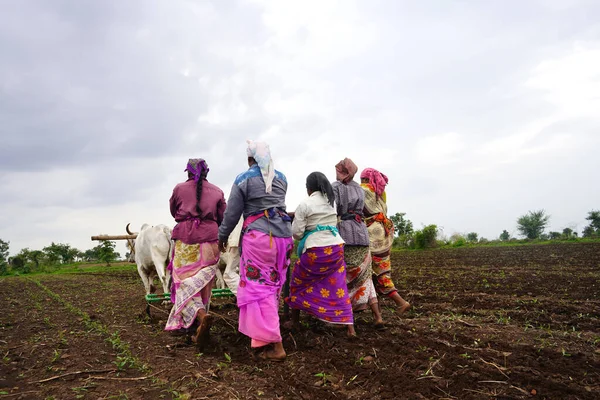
(198, 207)
(259, 195)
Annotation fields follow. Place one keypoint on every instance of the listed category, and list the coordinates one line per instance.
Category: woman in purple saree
(318, 286)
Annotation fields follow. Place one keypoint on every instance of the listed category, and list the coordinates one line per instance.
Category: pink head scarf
(345, 170)
(376, 179)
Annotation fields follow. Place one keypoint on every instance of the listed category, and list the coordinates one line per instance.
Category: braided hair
(199, 189)
(198, 170)
(318, 182)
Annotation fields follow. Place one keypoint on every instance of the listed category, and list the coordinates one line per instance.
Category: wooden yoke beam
(114, 237)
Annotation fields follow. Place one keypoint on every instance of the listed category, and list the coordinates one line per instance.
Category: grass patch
(78, 268)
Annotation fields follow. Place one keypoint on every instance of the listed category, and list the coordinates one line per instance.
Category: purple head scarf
(197, 167)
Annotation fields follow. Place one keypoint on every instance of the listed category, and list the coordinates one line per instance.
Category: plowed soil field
(487, 322)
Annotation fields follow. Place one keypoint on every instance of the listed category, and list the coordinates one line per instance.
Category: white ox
(227, 273)
(229, 263)
(151, 252)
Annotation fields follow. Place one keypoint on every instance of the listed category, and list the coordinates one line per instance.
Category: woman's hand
(291, 214)
(222, 246)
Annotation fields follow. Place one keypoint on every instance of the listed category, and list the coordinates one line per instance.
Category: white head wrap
(262, 154)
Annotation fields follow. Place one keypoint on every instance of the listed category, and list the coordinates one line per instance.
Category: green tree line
(53, 256)
(531, 227)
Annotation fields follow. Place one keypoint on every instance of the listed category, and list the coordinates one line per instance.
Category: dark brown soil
(487, 322)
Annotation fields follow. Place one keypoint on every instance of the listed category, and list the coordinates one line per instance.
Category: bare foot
(379, 324)
(351, 332)
(404, 308)
(272, 355)
(203, 331)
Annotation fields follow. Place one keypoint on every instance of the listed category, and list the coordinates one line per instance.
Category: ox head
(130, 245)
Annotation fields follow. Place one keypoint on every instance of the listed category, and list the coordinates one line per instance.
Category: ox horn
(127, 229)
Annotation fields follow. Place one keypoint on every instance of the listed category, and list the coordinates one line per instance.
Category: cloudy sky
(478, 111)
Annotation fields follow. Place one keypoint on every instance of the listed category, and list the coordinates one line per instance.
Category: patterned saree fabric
(193, 268)
(318, 285)
(263, 266)
(381, 238)
(358, 277)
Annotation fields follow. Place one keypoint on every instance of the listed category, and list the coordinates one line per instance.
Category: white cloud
(571, 82)
(316, 34)
(442, 149)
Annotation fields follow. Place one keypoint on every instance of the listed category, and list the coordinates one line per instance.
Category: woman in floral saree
(318, 284)
(381, 234)
(198, 207)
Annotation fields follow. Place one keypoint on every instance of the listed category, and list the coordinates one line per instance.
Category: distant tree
(4, 246)
(456, 240)
(21, 260)
(554, 235)
(567, 233)
(426, 237)
(472, 237)
(505, 236)
(70, 255)
(60, 253)
(402, 226)
(52, 253)
(91, 254)
(533, 224)
(36, 257)
(106, 252)
(589, 232)
(17, 263)
(594, 218)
